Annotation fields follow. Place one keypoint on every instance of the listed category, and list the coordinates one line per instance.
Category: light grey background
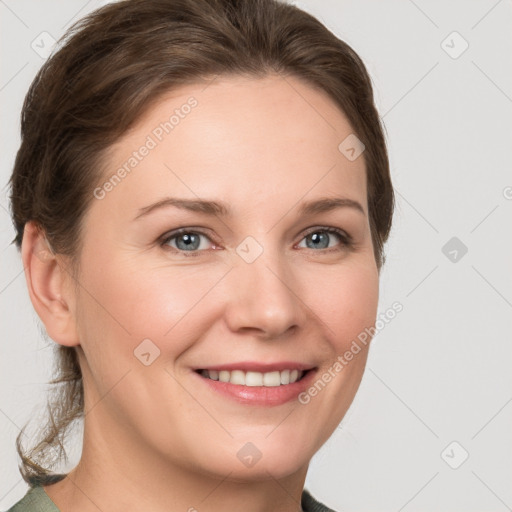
(441, 370)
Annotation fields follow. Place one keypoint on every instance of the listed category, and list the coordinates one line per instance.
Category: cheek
(347, 302)
(124, 303)
(131, 298)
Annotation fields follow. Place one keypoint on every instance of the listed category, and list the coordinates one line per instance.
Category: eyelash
(346, 240)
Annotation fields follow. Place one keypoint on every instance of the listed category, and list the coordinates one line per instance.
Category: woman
(201, 199)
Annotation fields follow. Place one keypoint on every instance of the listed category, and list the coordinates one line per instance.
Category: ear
(49, 286)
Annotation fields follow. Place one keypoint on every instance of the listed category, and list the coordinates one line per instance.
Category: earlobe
(48, 286)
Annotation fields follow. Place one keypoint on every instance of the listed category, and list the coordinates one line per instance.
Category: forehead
(245, 140)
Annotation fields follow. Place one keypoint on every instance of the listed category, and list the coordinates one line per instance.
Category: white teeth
(223, 376)
(272, 379)
(237, 377)
(252, 379)
(269, 379)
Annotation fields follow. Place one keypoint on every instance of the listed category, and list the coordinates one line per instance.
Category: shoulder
(310, 504)
(35, 500)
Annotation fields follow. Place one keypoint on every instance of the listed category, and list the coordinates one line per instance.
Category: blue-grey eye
(320, 238)
(189, 241)
(185, 241)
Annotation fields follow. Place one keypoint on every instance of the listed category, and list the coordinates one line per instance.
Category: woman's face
(263, 284)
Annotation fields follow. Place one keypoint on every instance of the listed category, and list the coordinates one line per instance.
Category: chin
(276, 468)
(244, 462)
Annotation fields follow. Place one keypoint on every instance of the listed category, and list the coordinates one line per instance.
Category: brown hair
(111, 66)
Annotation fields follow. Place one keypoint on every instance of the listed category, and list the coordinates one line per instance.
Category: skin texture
(154, 438)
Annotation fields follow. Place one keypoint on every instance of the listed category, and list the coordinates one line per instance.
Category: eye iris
(189, 241)
(318, 236)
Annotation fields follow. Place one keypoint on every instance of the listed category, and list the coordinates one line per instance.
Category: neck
(118, 471)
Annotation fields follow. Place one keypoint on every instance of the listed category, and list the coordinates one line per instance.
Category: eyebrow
(324, 204)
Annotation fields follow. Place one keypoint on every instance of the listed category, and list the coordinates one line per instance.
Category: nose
(263, 298)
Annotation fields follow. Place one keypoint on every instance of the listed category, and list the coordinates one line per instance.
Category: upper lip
(254, 366)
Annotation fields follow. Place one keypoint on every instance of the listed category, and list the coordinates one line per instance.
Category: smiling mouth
(255, 379)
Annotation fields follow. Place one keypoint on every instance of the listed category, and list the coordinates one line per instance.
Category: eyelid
(329, 229)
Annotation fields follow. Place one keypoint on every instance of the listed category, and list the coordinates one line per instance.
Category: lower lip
(260, 395)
